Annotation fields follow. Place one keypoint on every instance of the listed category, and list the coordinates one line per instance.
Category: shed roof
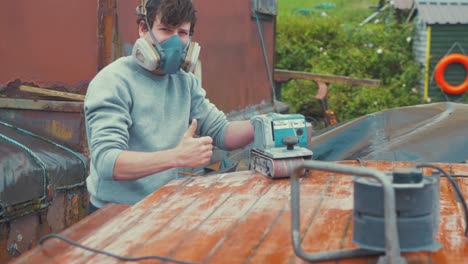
(443, 12)
(403, 4)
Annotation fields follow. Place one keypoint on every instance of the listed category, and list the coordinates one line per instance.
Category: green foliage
(325, 45)
(347, 10)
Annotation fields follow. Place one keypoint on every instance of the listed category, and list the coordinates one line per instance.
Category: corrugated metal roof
(403, 4)
(443, 12)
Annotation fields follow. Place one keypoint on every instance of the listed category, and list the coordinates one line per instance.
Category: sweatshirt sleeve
(107, 113)
(211, 121)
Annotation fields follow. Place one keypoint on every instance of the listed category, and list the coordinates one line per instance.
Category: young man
(137, 117)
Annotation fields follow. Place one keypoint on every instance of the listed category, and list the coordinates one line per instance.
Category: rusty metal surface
(81, 229)
(53, 43)
(44, 105)
(61, 122)
(31, 164)
(244, 217)
(43, 167)
(234, 72)
(57, 48)
(20, 235)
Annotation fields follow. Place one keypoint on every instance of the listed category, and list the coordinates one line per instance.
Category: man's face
(162, 32)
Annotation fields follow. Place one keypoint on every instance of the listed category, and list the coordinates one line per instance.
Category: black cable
(455, 186)
(44, 238)
(460, 175)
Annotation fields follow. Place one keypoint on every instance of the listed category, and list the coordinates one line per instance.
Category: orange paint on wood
(125, 229)
(313, 191)
(223, 221)
(180, 229)
(329, 225)
(451, 228)
(245, 239)
(245, 217)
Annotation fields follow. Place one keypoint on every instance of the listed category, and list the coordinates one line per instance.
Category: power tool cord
(122, 258)
(458, 192)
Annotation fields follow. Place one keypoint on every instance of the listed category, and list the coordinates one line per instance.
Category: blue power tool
(280, 144)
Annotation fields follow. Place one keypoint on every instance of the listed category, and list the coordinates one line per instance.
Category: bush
(374, 51)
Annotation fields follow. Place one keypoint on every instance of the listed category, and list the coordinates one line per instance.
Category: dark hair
(173, 13)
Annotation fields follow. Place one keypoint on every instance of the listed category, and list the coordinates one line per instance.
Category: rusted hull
(21, 234)
(246, 217)
(43, 168)
(61, 122)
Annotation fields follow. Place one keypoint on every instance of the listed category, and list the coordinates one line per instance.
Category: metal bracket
(264, 8)
(392, 244)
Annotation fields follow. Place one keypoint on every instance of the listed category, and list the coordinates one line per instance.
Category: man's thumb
(192, 129)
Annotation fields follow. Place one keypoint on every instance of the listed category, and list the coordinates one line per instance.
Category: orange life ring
(440, 69)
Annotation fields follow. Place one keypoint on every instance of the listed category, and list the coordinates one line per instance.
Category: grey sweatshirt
(129, 108)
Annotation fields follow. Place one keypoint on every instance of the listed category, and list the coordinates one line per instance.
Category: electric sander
(280, 144)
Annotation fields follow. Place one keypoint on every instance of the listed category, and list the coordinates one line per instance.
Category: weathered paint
(48, 43)
(62, 45)
(61, 122)
(245, 217)
(60, 130)
(109, 41)
(20, 235)
(234, 71)
(28, 219)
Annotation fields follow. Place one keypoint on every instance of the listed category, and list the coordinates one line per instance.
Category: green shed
(441, 29)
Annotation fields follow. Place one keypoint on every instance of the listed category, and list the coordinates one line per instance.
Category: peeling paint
(20, 235)
(60, 130)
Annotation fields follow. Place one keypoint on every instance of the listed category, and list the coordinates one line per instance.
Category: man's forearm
(132, 165)
(190, 152)
(239, 134)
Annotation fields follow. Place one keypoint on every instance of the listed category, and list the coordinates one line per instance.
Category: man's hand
(194, 152)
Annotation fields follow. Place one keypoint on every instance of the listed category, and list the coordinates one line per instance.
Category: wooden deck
(244, 217)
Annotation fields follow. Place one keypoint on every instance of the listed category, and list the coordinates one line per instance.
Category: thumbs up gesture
(194, 151)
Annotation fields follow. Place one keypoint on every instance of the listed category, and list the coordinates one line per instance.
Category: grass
(350, 11)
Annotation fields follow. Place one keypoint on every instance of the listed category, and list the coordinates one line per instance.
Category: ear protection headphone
(152, 57)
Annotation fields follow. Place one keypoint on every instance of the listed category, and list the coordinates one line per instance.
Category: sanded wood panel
(244, 217)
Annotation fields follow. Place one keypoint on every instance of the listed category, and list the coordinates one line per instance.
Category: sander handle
(290, 141)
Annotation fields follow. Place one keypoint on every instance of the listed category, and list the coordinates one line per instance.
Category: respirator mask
(168, 56)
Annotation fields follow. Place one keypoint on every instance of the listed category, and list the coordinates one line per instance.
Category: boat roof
(242, 217)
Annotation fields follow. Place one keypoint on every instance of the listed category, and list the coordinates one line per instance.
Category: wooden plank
(49, 92)
(281, 75)
(43, 105)
(115, 231)
(253, 227)
(244, 217)
(328, 228)
(174, 225)
(223, 221)
(451, 228)
(184, 226)
(277, 244)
